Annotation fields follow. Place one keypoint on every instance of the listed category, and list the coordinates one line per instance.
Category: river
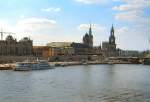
(88, 83)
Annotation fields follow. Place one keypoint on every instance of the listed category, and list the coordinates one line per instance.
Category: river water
(89, 83)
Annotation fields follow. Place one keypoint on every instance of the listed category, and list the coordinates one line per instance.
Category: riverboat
(27, 66)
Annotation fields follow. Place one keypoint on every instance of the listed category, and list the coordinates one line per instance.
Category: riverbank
(10, 66)
(57, 64)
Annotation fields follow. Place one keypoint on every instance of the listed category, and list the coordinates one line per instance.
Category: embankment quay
(11, 66)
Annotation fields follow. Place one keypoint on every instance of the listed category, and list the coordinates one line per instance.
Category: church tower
(90, 36)
(109, 48)
(112, 36)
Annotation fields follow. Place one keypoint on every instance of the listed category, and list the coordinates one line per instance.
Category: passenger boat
(41, 64)
(38, 65)
(23, 66)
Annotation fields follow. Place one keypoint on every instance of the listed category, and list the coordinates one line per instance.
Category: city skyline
(68, 20)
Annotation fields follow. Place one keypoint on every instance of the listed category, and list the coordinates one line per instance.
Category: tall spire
(90, 29)
(90, 36)
(112, 30)
(112, 36)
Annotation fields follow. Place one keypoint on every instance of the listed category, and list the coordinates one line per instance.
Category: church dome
(26, 39)
(9, 37)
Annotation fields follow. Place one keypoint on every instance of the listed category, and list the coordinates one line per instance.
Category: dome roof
(25, 38)
(9, 37)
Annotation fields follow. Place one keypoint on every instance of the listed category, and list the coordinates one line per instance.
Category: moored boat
(27, 66)
(23, 66)
(41, 64)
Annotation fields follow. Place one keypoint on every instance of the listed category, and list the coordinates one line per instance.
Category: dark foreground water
(93, 83)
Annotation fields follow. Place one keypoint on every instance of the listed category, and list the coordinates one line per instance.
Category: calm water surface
(93, 83)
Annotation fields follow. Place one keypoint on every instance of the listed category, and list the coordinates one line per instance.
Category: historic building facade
(88, 38)
(86, 48)
(10, 47)
(109, 48)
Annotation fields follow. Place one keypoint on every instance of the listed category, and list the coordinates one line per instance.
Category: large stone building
(62, 48)
(53, 49)
(86, 48)
(88, 38)
(81, 49)
(109, 48)
(10, 47)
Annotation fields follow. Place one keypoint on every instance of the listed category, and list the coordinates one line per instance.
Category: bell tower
(90, 36)
(112, 36)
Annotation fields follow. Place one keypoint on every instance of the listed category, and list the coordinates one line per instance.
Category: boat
(23, 66)
(27, 66)
(41, 64)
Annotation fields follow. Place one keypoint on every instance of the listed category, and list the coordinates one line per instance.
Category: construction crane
(2, 33)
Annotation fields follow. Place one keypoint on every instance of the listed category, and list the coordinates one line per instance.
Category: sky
(47, 21)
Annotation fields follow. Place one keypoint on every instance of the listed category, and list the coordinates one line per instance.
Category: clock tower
(112, 36)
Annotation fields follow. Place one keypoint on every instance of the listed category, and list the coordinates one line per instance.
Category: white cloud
(132, 5)
(51, 9)
(128, 16)
(132, 11)
(33, 24)
(132, 38)
(92, 1)
(126, 7)
(95, 27)
(6, 27)
(121, 30)
(145, 2)
(39, 29)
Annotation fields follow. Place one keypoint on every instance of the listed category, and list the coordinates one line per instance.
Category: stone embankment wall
(75, 58)
(11, 59)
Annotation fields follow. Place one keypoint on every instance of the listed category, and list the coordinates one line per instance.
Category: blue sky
(68, 20)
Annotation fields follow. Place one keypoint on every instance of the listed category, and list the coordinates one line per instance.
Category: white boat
(38, 65)
(41, 64)
(23, 66)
